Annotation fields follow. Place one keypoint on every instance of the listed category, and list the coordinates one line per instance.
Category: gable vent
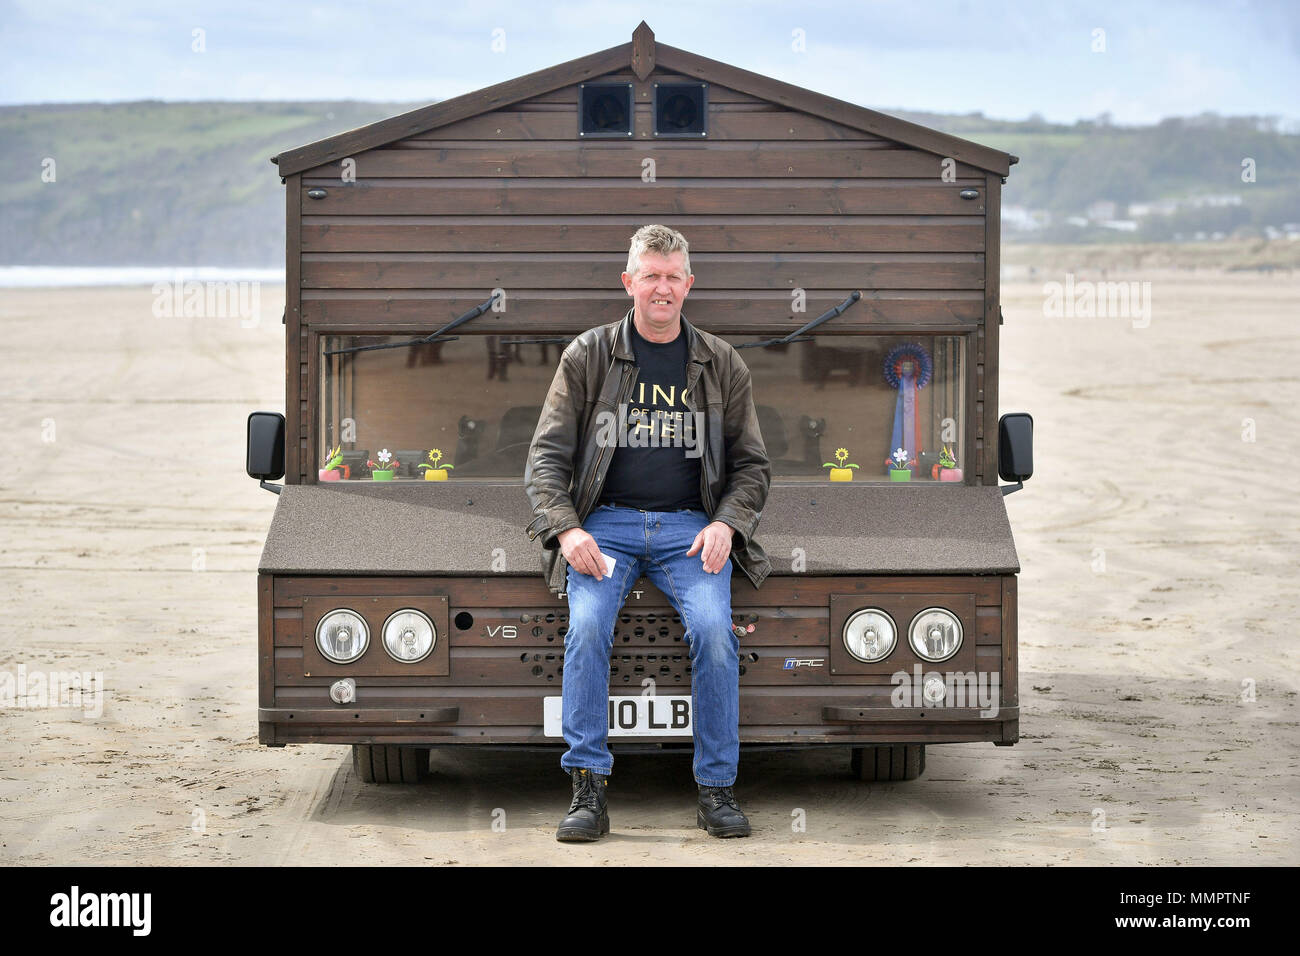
(681, 109)
(606, 110)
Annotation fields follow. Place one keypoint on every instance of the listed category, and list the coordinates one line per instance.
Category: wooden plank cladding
(480, 670)
(770, 234)
(795, 704)
(501, 667)
(756, 313)
(535, 270)
(628, 161)
(530, 592)
(594, 197)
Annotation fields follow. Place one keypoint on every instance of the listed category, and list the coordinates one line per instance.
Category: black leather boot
(588, 817)
(719, 814)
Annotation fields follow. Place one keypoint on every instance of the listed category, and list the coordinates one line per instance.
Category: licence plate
(630, 716)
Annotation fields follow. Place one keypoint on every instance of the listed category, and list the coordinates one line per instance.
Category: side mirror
(1015, 449)
(265, 447)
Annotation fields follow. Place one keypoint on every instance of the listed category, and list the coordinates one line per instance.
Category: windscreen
(831, 407)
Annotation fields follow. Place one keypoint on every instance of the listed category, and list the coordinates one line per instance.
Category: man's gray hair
(658, 239)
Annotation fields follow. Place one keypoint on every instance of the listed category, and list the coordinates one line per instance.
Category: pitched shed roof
(642, 55)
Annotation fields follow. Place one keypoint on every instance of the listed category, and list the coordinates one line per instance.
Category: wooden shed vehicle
(438, 262)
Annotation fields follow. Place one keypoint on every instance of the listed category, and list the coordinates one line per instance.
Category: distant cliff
(151, 183)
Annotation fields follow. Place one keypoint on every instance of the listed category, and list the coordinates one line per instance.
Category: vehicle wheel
(388, 763)
(888, 763)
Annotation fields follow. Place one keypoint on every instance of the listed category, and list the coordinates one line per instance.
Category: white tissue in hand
(609, 563)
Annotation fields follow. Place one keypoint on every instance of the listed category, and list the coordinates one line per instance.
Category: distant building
(1158, 207)
(1101, 210)
(1023, 219)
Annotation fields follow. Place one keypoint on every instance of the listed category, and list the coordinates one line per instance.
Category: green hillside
(155, 183)
(150, 183)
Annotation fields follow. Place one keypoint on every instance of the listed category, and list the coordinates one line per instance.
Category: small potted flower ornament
(382, 470)
(948, 470)
(435, 471)
(900, 469)
(841, 469)
(332, 462)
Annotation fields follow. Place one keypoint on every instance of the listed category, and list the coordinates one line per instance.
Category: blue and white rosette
(907, 368)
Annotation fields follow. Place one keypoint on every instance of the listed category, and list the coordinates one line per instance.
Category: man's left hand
(715, 540)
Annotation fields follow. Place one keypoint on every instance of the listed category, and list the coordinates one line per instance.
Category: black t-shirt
(652, 467)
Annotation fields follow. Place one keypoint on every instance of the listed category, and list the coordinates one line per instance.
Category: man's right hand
(582, 552)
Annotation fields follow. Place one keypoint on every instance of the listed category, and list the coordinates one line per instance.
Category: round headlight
(409, 635)
(935, 634)
(342, 636)
(869, 635)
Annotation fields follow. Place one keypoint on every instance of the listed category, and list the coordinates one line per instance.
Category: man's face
(658, 290)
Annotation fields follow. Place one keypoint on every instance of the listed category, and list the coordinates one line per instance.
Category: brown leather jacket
(566, 465)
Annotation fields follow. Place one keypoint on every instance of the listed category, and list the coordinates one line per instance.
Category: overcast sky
(1006, 59)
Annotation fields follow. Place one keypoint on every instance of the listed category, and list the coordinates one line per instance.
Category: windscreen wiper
(544, 340)
(798, 334)
(429, 339)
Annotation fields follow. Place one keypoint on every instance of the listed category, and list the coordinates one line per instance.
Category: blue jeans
(653, 543)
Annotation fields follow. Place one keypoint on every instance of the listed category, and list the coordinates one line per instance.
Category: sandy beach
(1158, 541)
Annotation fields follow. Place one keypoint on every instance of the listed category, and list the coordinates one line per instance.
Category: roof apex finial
(643, 50)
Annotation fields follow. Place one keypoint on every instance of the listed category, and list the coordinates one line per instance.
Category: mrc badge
(792, 662)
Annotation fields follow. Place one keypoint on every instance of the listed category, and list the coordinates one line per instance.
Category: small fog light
(343, 691)
(933, 690)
